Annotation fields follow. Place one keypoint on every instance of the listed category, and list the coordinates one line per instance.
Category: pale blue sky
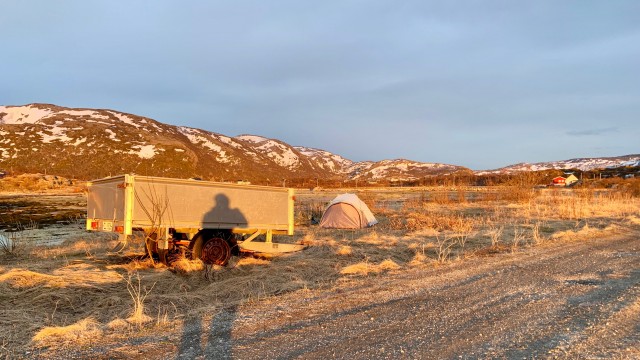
(481, 84)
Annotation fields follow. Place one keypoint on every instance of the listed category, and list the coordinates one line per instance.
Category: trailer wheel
(211, 249)
(216, 251)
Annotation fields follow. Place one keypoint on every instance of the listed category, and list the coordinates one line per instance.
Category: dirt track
(565, 300)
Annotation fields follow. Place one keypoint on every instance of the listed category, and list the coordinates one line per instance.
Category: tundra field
(491, 272)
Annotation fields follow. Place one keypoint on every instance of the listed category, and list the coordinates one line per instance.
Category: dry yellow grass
(76, 275)
(344, 250)
(78, 287)
(82, 331)
(366, 268)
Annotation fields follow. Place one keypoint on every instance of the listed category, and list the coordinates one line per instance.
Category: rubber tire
(204, 235)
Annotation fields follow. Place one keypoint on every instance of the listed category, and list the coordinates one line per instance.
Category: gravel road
(563, 300)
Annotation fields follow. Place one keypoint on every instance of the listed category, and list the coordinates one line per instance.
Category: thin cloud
(592, 132)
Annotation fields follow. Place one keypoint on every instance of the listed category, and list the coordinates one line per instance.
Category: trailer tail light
(94, 225)
(120, 229)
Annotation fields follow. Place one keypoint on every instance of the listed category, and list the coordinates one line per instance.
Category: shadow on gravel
(219, 341)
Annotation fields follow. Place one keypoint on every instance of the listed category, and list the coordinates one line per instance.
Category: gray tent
(347, 211)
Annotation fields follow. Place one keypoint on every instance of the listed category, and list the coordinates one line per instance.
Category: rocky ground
(567, 299)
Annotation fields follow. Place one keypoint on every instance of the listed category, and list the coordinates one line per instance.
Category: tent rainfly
(347, 211)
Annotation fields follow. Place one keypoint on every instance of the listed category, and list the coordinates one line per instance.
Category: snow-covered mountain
(326, 160)
(583, 164)
(399, 170)
(90, 143)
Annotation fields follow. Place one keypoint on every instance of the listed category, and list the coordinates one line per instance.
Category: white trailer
(208, 220)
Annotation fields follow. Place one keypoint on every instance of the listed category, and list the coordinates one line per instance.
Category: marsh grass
(15, 242)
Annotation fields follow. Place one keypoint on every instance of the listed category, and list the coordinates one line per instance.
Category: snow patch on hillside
(204, 139)
(144, 151)
(112, 135)
(325, 159)
(197, 137)
(279, 153)
(90, 113)
(57, 133)
(229, 141)
(125, 119)
(252, 138)
(23, 114)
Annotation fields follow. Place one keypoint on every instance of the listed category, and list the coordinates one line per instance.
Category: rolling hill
(91, 143)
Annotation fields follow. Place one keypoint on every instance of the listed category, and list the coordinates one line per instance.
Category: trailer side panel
(185, 203)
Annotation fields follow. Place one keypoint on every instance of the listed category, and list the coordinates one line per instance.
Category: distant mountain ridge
(583, 164)
(89, 143)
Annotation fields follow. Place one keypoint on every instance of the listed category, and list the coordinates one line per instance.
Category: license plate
(107, 226)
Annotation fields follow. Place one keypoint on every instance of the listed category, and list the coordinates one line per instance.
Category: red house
(559, 181)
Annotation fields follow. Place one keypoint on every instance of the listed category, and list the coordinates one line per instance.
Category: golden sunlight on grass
(184, 265)
(84, 330)
(344, 250)
(366, 268)
(72, 275)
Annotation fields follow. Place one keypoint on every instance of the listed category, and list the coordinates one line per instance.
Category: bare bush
(138, 295)
(495, 233)
(444, 245)
(15, 242)
(309, 213)
(518, 238)
(535, 234)
(462, 229)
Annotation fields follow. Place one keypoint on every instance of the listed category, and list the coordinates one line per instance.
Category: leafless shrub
(309, 213)
(518, 238)
(15, 242)
(462, 229)
(444, 246)
(138, 295)
(158, 215)
(495, 233)
(535, 234)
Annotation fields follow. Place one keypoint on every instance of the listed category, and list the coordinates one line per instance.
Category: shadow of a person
(222, 215)
(219, 222)
(216, 223)
(219, 341)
